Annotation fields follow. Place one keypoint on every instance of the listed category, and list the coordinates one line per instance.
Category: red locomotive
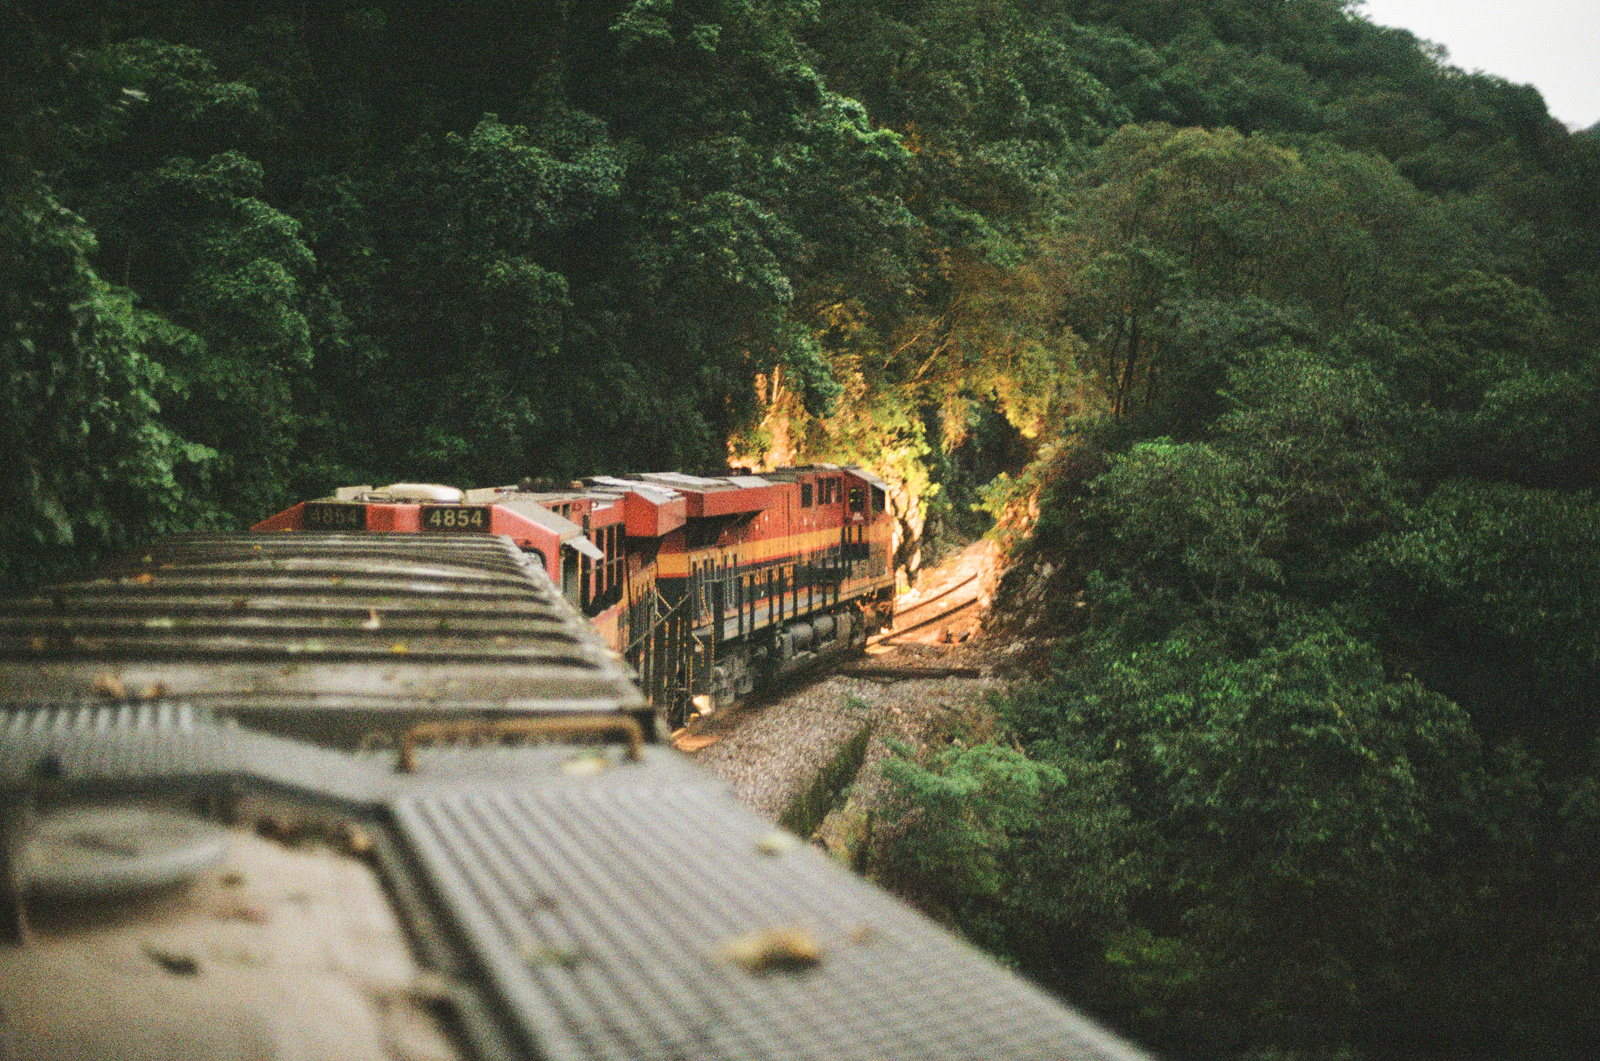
(707, 586)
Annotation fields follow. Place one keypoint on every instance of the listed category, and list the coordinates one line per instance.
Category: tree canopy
(1291, 327)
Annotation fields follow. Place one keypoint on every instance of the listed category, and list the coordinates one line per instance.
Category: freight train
(708, 586)
(363, 796)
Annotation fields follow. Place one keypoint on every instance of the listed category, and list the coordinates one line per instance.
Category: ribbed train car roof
(347, 627)
(598, 914)
(611, 916)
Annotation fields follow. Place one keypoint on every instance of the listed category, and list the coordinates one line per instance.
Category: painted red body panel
(650, 519)
(729, 502)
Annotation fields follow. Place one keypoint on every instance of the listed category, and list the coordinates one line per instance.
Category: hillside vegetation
(1275, 333)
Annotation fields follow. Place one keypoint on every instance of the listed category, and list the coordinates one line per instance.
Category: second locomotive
(708, 586)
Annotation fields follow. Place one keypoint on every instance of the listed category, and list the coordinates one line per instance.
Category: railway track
(929, 619)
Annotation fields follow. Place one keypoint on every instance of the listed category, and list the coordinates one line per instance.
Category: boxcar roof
(354, 627)
(626, 910)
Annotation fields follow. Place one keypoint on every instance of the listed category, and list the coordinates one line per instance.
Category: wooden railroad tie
(904, 673)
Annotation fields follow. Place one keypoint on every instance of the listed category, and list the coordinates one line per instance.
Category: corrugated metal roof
(601, 913)
(100, 747)
(610, 916)
(349, 628)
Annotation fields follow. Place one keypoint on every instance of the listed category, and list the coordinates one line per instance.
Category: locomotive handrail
(656, 620)
(565, 726)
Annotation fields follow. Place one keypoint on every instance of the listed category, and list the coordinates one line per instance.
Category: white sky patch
(1553, 45)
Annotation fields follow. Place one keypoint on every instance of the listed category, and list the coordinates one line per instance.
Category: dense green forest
(1277, 334)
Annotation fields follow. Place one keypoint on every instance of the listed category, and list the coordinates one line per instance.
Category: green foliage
(1188, 247)
(1323, 840)
(1030, 858)
(1189, 534)
(1493, 590)
(233, 268)
(1293, 477)
(1295, 642)
(93, 468)
(1293, 777)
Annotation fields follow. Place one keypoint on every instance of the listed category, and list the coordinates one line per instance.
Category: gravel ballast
(771, 754)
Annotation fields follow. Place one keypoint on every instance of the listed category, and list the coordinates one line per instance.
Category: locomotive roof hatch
(402, 493)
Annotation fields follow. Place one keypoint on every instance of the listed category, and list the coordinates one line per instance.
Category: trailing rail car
(334, 638)
(708, 586)
(196, 862)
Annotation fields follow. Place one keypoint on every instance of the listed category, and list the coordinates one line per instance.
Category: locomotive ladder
(661, 656)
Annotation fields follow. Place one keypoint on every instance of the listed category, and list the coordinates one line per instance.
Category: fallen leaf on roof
(774, 950)
(777, 842)
(353, 840)
(176, 964)
(586, 765)
(542, 954)
(237, 956)
(250, 914)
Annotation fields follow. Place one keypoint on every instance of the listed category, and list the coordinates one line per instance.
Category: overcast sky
(1553, 45)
